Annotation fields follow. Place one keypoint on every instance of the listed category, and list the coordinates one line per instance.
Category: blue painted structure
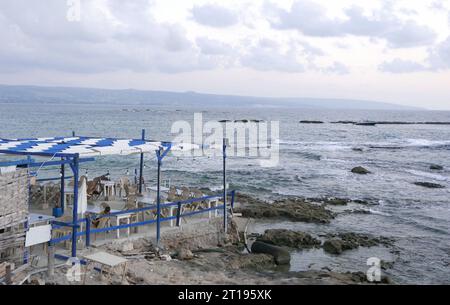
(62, 148)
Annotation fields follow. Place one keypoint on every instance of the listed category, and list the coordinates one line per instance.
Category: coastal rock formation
(436, 167)
(336, 201)
(337, 243)
(333, 246)
(280, 255)
(360, 170)
(291, 209)
(429, 185)
(311, 122)
(288, 238)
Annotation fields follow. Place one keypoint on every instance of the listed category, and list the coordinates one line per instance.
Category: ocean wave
(428, 175)
(408, 143)
(318, 145)
(394, 144)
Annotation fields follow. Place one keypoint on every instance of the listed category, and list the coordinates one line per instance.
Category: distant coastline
(50, 95)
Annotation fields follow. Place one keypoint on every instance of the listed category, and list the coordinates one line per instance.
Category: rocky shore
(207, 261)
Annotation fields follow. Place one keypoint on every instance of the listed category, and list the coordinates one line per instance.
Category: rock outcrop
(337, 243)
(280, 255)
(290, 209)
(360, 170)
(288, 238)
(429, 185)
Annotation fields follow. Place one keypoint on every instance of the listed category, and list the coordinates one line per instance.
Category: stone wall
(14, 188)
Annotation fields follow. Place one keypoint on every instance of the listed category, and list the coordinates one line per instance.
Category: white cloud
(115, 37)
(232, 46)
(402, 66)
(311, 19)
(440, 56)
(214, 15)
(267, 56)
(213, 47)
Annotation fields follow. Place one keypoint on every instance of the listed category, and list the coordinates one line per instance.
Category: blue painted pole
(233, 194)
(63, 177)
(158, 200)
(225, 221)
(179, 214)
(75, 204)
(88, 231)
(141, 166)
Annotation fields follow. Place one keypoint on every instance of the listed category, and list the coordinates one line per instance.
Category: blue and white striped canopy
(85, 146)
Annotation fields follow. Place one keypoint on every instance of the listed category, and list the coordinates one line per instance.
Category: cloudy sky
(393, 51)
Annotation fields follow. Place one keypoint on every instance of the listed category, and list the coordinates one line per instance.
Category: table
(35, 219)
(153, 192)
(108, 260)
(126, 216)
(108, 188)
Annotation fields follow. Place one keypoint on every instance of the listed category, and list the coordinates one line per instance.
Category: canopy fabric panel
(85, 146)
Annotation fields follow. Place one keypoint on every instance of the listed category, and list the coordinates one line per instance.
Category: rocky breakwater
(297, 209)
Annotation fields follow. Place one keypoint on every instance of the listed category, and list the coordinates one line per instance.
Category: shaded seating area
(87, 207)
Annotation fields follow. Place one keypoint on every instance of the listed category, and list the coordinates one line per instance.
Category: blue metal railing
(87, 233)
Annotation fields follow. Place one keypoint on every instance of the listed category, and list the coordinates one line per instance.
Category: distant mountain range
(52, 95)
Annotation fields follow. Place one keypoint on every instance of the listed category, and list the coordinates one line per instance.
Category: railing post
(179, 214)
(233, 193)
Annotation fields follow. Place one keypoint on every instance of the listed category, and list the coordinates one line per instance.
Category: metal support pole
(179, 214)
(73, 133)
(88, 231)
(75, 205)
(233, 195)
(225, 221)
(63, 196)
(158, 199)
(141, 166)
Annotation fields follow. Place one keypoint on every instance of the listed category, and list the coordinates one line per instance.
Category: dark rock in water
(360, 201)
(311, 122)
(359, 149)
(288, 238)
(281, 256)
(224, 121)
(333, 246)
(337, 243)
(344, 122)
(429, 185)
(386, 265)
(336, 201)
(436, 167)
(366, 124)
(291, 209)
(360, 170)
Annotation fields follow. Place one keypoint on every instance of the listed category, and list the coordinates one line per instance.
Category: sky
(394, 51)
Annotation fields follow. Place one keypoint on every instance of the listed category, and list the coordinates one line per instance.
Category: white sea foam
(433, 176)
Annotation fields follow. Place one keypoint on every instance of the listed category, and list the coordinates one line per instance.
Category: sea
(315, 160)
